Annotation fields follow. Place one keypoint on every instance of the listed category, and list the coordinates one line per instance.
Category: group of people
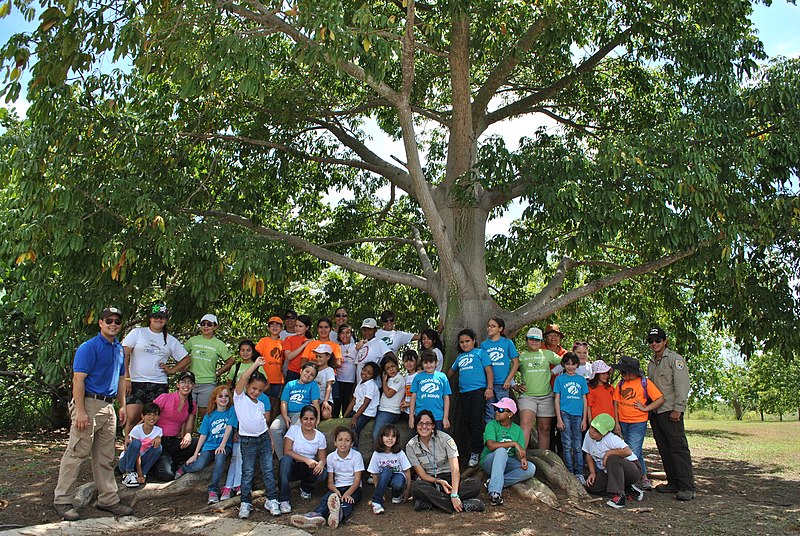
(266, 402)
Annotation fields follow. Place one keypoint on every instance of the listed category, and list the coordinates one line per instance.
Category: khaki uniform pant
(96, 440)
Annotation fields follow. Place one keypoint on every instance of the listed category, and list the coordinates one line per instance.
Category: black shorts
(144, 392)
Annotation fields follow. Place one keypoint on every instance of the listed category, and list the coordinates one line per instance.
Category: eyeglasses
(651, 341)
(501, 410)
(117, 321)
(340, 315)
(186, 381)
(424, 424)
(206, 324)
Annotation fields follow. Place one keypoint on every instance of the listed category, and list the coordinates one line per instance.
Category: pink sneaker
(226, 494)
(237, 490)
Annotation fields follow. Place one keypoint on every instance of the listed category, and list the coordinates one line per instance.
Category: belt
(109, 399)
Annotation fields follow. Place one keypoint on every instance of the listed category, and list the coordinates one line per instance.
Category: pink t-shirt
(172, 420)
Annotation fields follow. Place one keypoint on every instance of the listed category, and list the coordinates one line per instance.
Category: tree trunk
(738, 409)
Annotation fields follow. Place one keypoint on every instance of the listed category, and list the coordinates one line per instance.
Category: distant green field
(771, 445)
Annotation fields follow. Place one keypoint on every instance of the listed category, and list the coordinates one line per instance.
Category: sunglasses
(206, 324)
(116, 321)
(340, 315)
(651, 341)
(502, 410)
(223, 396)
(290, 318)
(581, 344)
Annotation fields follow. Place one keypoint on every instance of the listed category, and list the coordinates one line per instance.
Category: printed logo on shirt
(627, 393)
(495, 354)
(466, 363)
(428, 386)
(297, 398)
(218, 427)
(679, 364)
(573, 388)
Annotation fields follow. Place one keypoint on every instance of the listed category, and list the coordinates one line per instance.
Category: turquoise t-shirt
(571, 389)
(501, 352)
(213, 427)
(431, 390)
(471, 367)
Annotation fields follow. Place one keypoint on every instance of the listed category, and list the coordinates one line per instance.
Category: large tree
(664, 151)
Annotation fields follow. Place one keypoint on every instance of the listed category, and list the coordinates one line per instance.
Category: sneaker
(131, 480)
(237, 491)
(118, 509)
(397, 500)
(645, 484)
(473, 505)
(335, 508)
(473, 459)
(272, 507)
(226, 494)
(420, 505)
(377, 508)
(285, 507)
(179, 473)
(496, 498)
(486, 484)
(213, 497)
(617, 501)
(635, 493)
(244, 510)
(67, 512)
(667, 488)
(305, 495)
(370, 481)
(686, 495)
(581, 479)
(310, 520)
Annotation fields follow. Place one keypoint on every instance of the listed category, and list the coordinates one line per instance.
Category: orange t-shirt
(272, 351)
(601, 399)
(629, 392)
(291, 344)
(307, 352)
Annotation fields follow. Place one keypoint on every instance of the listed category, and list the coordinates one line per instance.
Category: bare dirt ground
(733, 498)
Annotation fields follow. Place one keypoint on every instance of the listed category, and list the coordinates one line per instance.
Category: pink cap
(506, 403)
(599, 367)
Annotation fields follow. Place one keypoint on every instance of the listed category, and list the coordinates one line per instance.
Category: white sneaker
(581, 479)
(397, 500)
(305, 495)
(273, 507)
(377, 508)
(244, 510)
(335, 509)
(285, 507)
(131, 480)
(473, 459)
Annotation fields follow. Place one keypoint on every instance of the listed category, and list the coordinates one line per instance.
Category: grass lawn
(770, 445)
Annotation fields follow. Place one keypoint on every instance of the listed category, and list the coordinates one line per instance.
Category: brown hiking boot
(118, 509)
(67, 512)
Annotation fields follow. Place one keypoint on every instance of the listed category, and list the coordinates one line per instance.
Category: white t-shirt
(409, 381)
(146, 439)
(252, 422)
(323, 377)
(439, 359)
(598, 449)
(303, 446)
(364, 390)
(397, 462)
(394, 339)
(373, 351)
(347, 372)
(149, 350)
(285, 334)
(392, 404)
(344, 469)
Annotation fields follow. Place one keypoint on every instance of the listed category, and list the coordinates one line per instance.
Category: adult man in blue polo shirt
(98, 378)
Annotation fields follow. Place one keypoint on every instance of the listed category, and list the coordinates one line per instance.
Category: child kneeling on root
(613, 467)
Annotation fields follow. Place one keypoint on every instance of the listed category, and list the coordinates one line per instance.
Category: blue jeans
(572, 442)
(499, 393)
(382, 419)
(387, 477)
(347, 508)
(202, 461)
(127, 464)
(633, 433)
(256, 449)
(361, 422)
(291, 469)
(505, 470)
(235, 468)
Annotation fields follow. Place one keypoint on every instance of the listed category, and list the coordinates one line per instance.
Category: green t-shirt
(495, 431)
(535, 368)
(205, 354)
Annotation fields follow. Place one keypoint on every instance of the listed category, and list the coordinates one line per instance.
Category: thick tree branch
(376, 239)
(425, 261)
(382, 274)
(500, 195)
(408, 52)
(528, 103)
(546, 303)
(504, 68)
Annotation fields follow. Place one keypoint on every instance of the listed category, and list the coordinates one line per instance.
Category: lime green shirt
(495, 431)
(535, 368)
(205, 355)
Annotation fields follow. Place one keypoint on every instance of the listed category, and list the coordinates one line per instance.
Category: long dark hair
(306, 320)
(433, 335)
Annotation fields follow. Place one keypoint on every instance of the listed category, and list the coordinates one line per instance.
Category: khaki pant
(96, 440)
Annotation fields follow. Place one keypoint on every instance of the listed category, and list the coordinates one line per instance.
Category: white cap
(323, 349)
(369, 323)
(210, 318)
(534, 333)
